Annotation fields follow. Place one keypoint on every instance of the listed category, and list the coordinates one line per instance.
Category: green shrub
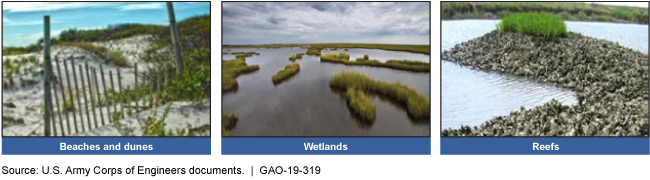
(287, 72)
(361, 104)
(365, 57)
(417, 105)
(536, 24)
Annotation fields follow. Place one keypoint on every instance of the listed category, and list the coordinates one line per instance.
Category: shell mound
(611, 82)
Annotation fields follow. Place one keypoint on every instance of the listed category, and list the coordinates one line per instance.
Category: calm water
(305, 105)
(470, 97)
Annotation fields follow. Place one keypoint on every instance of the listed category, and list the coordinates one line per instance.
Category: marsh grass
(536, 24)
(228, 123)
(417, 105)
(314, 50)
(296, 56)
(361, 104)
(233, 68)
(407, 65)
(287, 72)
(113, 56)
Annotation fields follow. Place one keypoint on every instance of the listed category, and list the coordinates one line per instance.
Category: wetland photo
(544, 69)
(326, 69)
(105, 69)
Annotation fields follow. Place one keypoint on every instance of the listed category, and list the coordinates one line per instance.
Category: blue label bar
(160, 145)
(565, 145)
(355, 145)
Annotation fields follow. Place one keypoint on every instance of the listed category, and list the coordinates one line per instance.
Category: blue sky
(314, 22)
(22, 22)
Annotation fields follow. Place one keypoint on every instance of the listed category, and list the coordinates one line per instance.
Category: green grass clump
(287, 72)
(417, 105)
(296, 56)
(228, 123)
(407, 65)
(113, 56)
(314, 50)
(233, 68)
(361, 104)
(536, 24)
(335, 57)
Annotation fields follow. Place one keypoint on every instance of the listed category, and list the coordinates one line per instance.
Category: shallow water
(305, 105)
(471, 97)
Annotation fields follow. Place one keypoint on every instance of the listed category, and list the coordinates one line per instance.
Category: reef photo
(544, 69)
(326, 69)
(121, 69)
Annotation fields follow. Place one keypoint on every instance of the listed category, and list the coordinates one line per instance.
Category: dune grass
(233, 68)
(113, 56)
(287, 72)
(418, 106)
(406, 65)
(536, 24)
(361, 104)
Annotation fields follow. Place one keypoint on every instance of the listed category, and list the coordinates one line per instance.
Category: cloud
(141, 6)
(276, 20)
(8, 22)
(48, 6)
(53, 6)
(305, 22)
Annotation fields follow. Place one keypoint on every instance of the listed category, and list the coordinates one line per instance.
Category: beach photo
(119, 69)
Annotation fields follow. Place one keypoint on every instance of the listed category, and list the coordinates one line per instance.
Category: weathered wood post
(83, 85)
(106, 103)
(48, 76)
(58, 71)
(98, 98)
(90, 94)
(175, 39)
(76, 90)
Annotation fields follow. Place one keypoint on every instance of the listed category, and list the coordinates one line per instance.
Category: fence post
(98, 98)
(175, 39)
(110, 74)
(83, 84)
(108, 106)
(92, 101)
(119, 83)
(76, 89)
(56, 97)
(48, 73)
(58, 70)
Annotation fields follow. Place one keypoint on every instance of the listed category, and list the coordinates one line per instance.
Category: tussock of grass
(335, 57)
(287, 72)
(417, 105)
(313, 50)
(228, 123)
(407, 65)
(536, 24)
(233, 68)
(113, 56)
(361, 104)
(296, 56)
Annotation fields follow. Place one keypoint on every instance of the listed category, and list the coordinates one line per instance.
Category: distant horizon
(321, 43)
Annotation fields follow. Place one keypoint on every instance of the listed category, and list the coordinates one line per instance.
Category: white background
(432, 166)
